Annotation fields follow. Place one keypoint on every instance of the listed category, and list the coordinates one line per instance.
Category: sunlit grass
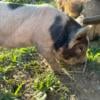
(18, 66)
(92, 55)
(46, 82)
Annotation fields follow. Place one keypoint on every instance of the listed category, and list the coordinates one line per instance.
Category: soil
(85, 86)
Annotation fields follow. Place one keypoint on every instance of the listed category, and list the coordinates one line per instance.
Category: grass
(93, 55)
(23, 73)
(24, 76)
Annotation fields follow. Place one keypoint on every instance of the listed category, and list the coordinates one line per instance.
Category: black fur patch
(14, 6)
(71, 28)
(57, 34)
(62, 34)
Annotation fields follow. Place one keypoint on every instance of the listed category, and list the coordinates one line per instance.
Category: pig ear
(81, 33)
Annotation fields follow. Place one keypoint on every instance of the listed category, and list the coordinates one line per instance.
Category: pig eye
(80, 49)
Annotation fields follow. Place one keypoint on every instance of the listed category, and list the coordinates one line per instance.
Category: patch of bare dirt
(85, 86)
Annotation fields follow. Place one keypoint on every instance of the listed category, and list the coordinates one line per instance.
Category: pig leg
(49, 56)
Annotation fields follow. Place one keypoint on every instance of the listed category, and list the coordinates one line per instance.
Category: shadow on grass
(7, 96)
(93, 66)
